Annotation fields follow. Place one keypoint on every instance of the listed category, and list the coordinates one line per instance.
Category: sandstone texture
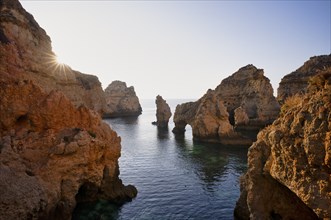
(297, 81)
(232, 113)
(50, 160)
(289, 166)
(54, 150)
(163, 112)
(121, 100)
(26, 50)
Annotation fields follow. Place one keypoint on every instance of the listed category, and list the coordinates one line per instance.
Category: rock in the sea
(297, 81)
(26, 51)
(250, 90)
(121, 100)
(52, 154)
(232, 113)
(163, 112)
(289, 166)
(54, 150)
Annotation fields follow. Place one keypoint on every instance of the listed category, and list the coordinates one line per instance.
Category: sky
(180, 49)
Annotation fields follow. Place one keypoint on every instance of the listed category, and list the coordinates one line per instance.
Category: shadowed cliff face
(289, 165)
(26, 51)
(297, 81)
(53, 154)
(232, 113)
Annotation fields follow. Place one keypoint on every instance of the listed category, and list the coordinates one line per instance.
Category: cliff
(289, 166)
(163, 112)
(26, 52)
(49, 161)
(54, 150)
(121, 100)
(232, 113)
(297, 81)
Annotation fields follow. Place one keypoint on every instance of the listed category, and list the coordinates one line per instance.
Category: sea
(176, 177)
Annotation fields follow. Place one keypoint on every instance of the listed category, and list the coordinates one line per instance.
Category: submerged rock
(232, 113)
(121, 100)
(163, 112)
(289, 166)
(297, 81)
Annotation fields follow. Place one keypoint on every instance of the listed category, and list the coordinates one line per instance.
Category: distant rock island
(163, 112)
(232, 113)
(54, 150)
(289, 166)
(121, 100)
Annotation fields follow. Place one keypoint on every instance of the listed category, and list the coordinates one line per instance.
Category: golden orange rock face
(54, 150)
(289, 166)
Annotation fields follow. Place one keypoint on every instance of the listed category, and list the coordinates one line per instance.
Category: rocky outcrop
(232, 113)
(50, 160)
(163, 112)
(26, 50)
(251, 91)
(54, 150)
(121, 100)
(297, 81)
(289, 166)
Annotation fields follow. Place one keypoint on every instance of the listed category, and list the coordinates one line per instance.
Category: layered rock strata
(50, 160)
(26, 49)
(297, 81)
(232, 113)
(54, 151)
(121, 100)
(289, 166)
(163, 112)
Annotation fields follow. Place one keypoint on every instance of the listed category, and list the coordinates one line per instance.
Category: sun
(56, 66)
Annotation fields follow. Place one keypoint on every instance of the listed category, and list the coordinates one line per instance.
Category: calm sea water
(176, 178)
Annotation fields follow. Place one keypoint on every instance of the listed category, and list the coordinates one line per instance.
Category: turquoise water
(176, 178)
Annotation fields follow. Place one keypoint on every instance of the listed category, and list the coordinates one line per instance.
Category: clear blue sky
(179, 49)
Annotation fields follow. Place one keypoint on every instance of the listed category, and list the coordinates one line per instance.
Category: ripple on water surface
(176, 178)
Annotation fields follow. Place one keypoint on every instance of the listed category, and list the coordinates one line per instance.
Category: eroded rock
(121, 100)
(289, 171)
(163, 112)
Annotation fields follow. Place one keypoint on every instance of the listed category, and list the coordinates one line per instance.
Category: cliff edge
(289, 166)
(26, 51)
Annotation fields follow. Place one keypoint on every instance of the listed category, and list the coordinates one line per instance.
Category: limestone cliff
(297, 81)
(50, 160)
(289, 166)
(26, 50)
(232, 113)
(121, 100)
(163, 112)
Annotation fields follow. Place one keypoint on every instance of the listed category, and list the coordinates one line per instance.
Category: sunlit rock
(289, 165)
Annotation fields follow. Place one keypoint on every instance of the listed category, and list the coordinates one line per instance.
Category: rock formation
(232, 113)
(289, 166)
(121, 100)
(26, 50)
(49, 160)
(297, 81)
(53, 154)
(163, 112)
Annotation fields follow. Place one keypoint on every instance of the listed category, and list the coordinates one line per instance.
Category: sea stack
(234, 112)
(163, 112)
(55, 151)
(121, 100)
(289, 166)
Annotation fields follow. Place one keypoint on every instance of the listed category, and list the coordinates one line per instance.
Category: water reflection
(163, 133)
(212, 162)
